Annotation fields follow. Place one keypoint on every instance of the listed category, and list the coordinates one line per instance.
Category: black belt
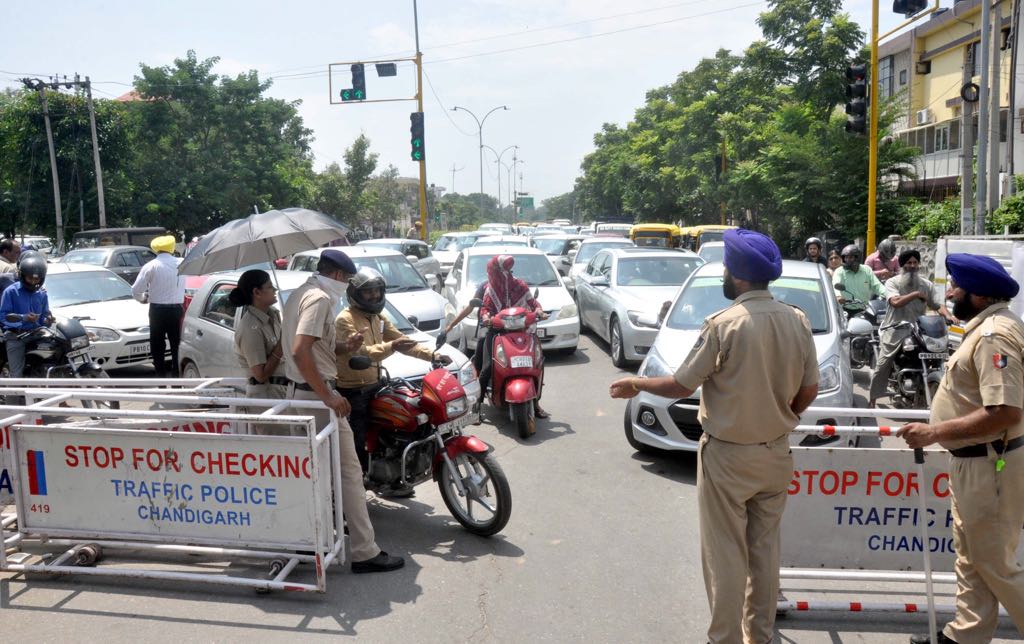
(365, 389)
(165, 306)
(273, 380)
(976, 451)
(301, 386)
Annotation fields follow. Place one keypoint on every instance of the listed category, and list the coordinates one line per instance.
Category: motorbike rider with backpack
(26, 298)
(814, 248)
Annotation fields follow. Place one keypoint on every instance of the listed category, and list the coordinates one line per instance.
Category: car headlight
(634, 319)
(828, 375)
(654, 366)
(567, 311)
(936, 345)
(100, 334)
(456, 407)
(467, 373)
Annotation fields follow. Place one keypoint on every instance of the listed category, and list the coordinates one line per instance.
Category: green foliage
(932, 219)
(1009, 214)
(560, 207)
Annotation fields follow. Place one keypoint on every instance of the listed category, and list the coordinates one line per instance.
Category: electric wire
(444, 110)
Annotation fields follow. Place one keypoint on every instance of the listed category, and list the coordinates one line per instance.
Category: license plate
(933, 356)
(139, 349)
(458, 423)
(522, 362)
(78, 352)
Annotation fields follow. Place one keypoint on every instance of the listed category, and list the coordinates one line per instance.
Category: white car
(495, 229)
(713, 251)
(502, 240)
(208, 346)
(407, 289)
(417, 252)
(117, 324)
(449, 245)
(561, 331)
(586, 251)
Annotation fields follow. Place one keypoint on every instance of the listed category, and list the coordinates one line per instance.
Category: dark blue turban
(751, 256)
(981, 275)
(339, 259)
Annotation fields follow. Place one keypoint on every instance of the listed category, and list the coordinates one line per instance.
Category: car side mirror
(412, 258)
(649, 320)
(432, 281)
(359, 363)
(450, 282)
(572, 254)
(600, 280)
(413, 320)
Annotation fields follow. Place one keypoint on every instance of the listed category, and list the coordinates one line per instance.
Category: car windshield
(587, 251)
(703, 296)
(94, 257)
(68, 289)
(500, 242)
(712, 253)
(656, 271)
(452, 243)
(551, 245)
(376, 244)
(712, 235)
(535, 270)
(390, 312)
(399, 274)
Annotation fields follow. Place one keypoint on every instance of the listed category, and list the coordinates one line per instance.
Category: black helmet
(365, 280)
(813, 240)
(887, 248)
(32, 263)
(851, 249)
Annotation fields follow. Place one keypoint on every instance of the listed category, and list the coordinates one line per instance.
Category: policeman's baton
(923, 520)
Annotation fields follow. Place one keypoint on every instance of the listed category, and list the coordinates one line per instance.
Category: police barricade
(87, 486)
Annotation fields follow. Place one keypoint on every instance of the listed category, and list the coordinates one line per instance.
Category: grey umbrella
(260, 238)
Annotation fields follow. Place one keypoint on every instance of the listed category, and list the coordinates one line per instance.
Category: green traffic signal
(416, 129)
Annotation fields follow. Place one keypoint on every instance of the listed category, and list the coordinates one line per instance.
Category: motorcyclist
(24, 306)
(883, 262)
(858, 281)
(813, 247)
(503, 291)
(381, 339)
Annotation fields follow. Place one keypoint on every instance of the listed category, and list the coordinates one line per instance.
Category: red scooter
(517, 374)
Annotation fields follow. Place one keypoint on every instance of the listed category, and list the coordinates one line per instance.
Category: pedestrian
(9, 252)
(857, 280)
(380, 340)
(29, 307)
(976, 415)
(258, 342)
(309, 346)
(813, 248)
(909, 296)
(159, 284)
(414, 231)
(757, 369)
(834, 262)
(883, 262)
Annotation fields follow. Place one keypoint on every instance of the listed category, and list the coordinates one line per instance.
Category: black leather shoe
(926, 639)
(383, 562)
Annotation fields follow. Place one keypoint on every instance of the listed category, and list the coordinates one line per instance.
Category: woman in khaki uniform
(258, 342)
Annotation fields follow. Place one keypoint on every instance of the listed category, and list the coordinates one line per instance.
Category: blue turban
(751, 256)
(339, 259)
(981, 275)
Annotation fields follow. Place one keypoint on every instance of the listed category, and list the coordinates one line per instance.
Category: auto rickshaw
(694, 236)
(659, 235)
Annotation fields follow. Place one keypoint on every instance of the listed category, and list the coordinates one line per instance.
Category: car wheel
(617, 347)
(627, 423)
(190, 370)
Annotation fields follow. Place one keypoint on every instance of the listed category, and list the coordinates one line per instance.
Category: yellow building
(924, 67)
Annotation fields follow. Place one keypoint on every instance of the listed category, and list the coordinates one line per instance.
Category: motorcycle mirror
(442, 337)
(358, 363)
(476, 303)
(838, 287)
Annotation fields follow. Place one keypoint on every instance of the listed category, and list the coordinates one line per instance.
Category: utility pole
(873, 132)
(95, 153)
(967, 153)
(994, 99)
(724, 168)
(40, 86)
(454, 170)
(419, 107)
(480, 135)
(980, 197)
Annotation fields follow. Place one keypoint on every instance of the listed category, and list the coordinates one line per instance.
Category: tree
(560, 207)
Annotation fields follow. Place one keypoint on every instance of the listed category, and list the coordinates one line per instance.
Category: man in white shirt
(159, 284)
(9, 252)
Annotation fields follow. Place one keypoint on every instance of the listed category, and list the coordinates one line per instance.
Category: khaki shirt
(751, 360)
(379, 335)
(985, 371)
(7, 267)
(309, 311)
(256, 337)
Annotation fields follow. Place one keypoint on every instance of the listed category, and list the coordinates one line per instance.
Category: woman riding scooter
(503, 291)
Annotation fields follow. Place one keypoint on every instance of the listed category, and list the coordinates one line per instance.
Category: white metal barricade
(77, 484)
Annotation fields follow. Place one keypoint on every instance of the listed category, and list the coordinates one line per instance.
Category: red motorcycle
(517, 374)
(414, 435)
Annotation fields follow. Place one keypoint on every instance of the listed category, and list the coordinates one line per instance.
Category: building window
(954, 134)
(972, 57)
(885, 77)
(903, 77)
(929, 139)
(942, 138)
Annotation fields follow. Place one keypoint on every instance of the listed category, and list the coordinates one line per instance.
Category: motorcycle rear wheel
(523, 418)
(486, 487)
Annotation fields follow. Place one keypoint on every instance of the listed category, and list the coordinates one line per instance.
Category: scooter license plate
(522, 362)
(453, 425)
(933, 356)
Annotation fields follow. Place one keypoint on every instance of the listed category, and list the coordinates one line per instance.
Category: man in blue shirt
(27, 299)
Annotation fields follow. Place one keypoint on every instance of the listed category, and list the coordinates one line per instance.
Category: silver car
(417, 252)
(586, 251)
(208, 331)
(623, 289)
(557, 247)
(449, 245)
(655, 423)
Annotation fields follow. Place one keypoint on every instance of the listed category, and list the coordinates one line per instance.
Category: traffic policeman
(756, 365)
(976, 415)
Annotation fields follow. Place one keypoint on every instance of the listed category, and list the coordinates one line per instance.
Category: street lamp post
(498, 157)
(480, 134)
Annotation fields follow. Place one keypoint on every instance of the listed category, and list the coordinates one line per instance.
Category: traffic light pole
(419, 108)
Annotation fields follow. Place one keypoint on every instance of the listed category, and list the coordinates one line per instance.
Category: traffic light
(856, 98)
(419, 152)
(358, 90)
(909, 7)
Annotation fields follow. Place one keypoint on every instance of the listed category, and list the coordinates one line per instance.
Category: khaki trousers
(361, 543)
(266, 391)
(988, 512)
(741, 492)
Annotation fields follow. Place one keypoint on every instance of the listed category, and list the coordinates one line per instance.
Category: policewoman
(976, 415)
(757, 368)
(258, 342)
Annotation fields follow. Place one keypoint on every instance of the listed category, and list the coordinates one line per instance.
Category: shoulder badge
(999, 360)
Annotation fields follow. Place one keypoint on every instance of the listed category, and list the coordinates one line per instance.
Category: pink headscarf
(504, 289)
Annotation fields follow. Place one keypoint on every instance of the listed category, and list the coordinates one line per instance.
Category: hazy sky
(563, 68)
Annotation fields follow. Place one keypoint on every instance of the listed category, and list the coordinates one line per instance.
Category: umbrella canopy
(260, 238)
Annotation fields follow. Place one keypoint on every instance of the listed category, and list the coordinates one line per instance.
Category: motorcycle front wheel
(100, 404)
(487, 504)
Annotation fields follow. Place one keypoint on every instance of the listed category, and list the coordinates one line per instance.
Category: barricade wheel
(88, 554)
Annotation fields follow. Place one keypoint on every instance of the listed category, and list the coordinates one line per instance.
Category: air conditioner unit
(924, 117)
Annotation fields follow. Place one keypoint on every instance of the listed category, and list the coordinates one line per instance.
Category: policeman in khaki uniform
(976, 415)
(362, 318)
(757, 366)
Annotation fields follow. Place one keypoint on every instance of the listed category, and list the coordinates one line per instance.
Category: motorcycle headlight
(456, 407)
(634, 319)
(828, 375)
(935, 345)
(467, 373)
(567, 311)
(908, 345)
(80, 342)
(654, 366)
(100, 334)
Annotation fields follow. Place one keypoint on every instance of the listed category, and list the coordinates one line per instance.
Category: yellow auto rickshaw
(694, 236)
(660, 235)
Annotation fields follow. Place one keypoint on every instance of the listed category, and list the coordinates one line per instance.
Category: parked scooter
(921, 362)
(414, 435)
(864, 338)
(517, 373)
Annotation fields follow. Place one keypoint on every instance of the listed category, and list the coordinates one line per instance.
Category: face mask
(334, 288)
